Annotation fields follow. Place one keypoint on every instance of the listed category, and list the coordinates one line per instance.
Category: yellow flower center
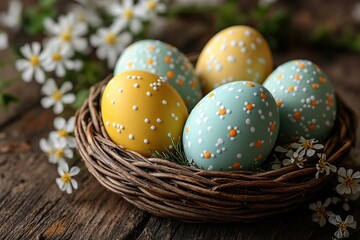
(110, 38)
(342, 226)
(321, 212)
(66, 178)
(307, 144)
(56, 57)
(349, 181)
(128, 13)
(151, 5)
(34, 60)
(59, 153)
(63, 133)
(66, 36)
(57, 95)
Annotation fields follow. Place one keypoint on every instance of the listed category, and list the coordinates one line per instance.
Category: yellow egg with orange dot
(140, 111)
(236, 53)
(166, 61)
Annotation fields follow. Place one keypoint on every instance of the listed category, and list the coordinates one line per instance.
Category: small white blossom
(4, 41)
(356, 12)
(12, 18)
(33, 64)
(58, 59)
(56, 150)
(85, 14)
(307, 147)
(57, 97)
(295, 159)
(129, 14)
(66, 182)
(349, 182)
(152, 7)
(276, 164)
(64, 129)
(287, 149)
(323, 166)
(110, 43)
(342, 231)
(320, 213)
(68, 31)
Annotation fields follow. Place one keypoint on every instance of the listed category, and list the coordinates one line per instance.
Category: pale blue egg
(166, 61)
(233, 127)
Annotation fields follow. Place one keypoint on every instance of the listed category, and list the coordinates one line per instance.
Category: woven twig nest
(170, 190)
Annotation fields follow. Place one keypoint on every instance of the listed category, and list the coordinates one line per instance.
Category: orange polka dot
(322, 79)
(193, 84)
(187, 129)
(232, 133)
(259, 157)
(149, 61)
(272, 127)
(314, 103)
(250, 84)
(151, 48)
(207, 155)
(130, 64)
(211, 95)
(330, 101)
(258, 143)
(186, 66)
(301, 65)
(280, 76)
(249, 106)
(170, 74)
(180, 82)
(312, 127)
(168, 59)
(263, 95)
(297, 77)
(315, 86)
(236, 165)
(297, 115)
(222, 111)
(291, 88)
(278, 103)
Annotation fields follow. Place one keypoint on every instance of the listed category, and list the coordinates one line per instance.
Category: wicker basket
(170, 190)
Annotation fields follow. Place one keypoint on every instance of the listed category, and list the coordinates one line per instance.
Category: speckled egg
(305, 98)
(235, 53)
(233, 127)
(166, 61)
(140, 112)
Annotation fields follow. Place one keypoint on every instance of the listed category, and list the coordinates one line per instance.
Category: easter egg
(233, 127)
(140, 111)
(305, 98)
(166, 61)
(236, 53)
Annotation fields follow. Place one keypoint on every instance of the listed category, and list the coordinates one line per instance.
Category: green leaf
(7, 99)
(47, 3)
(81, 96)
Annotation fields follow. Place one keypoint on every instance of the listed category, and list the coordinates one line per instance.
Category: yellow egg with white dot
(142, 112)
(235, 53)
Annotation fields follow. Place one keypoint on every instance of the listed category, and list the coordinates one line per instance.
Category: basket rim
(160, 186)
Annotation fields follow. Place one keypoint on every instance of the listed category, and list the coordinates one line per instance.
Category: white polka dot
(107, 123)
(252, 129)
(118, 131)
(107, 95)
(153, 127)
(164, 102)
(113, 101)
(131, 136)
(120, 90)
(239, 155)
(135, 108)
(231, 58)
(248, 121)
(158, 120)
(148, 94)
(146, 120)
(200, 141)
(136, 85)
(146, 141)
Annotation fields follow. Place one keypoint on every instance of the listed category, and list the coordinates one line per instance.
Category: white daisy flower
(349, 182)
(276, 164)
(64, 129)
(110, 43)
(342, 231)
(323, 166)
(68, 32)
(128, 14)
(56, 150)
(151, 8)
(12, 18)
(307, 147)
(320, 213)
(66, 182)
(85, 14)
(295, 159)
(58, 59)
(4, 41)
(287, 149)
(33, 64)
(57, 97)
